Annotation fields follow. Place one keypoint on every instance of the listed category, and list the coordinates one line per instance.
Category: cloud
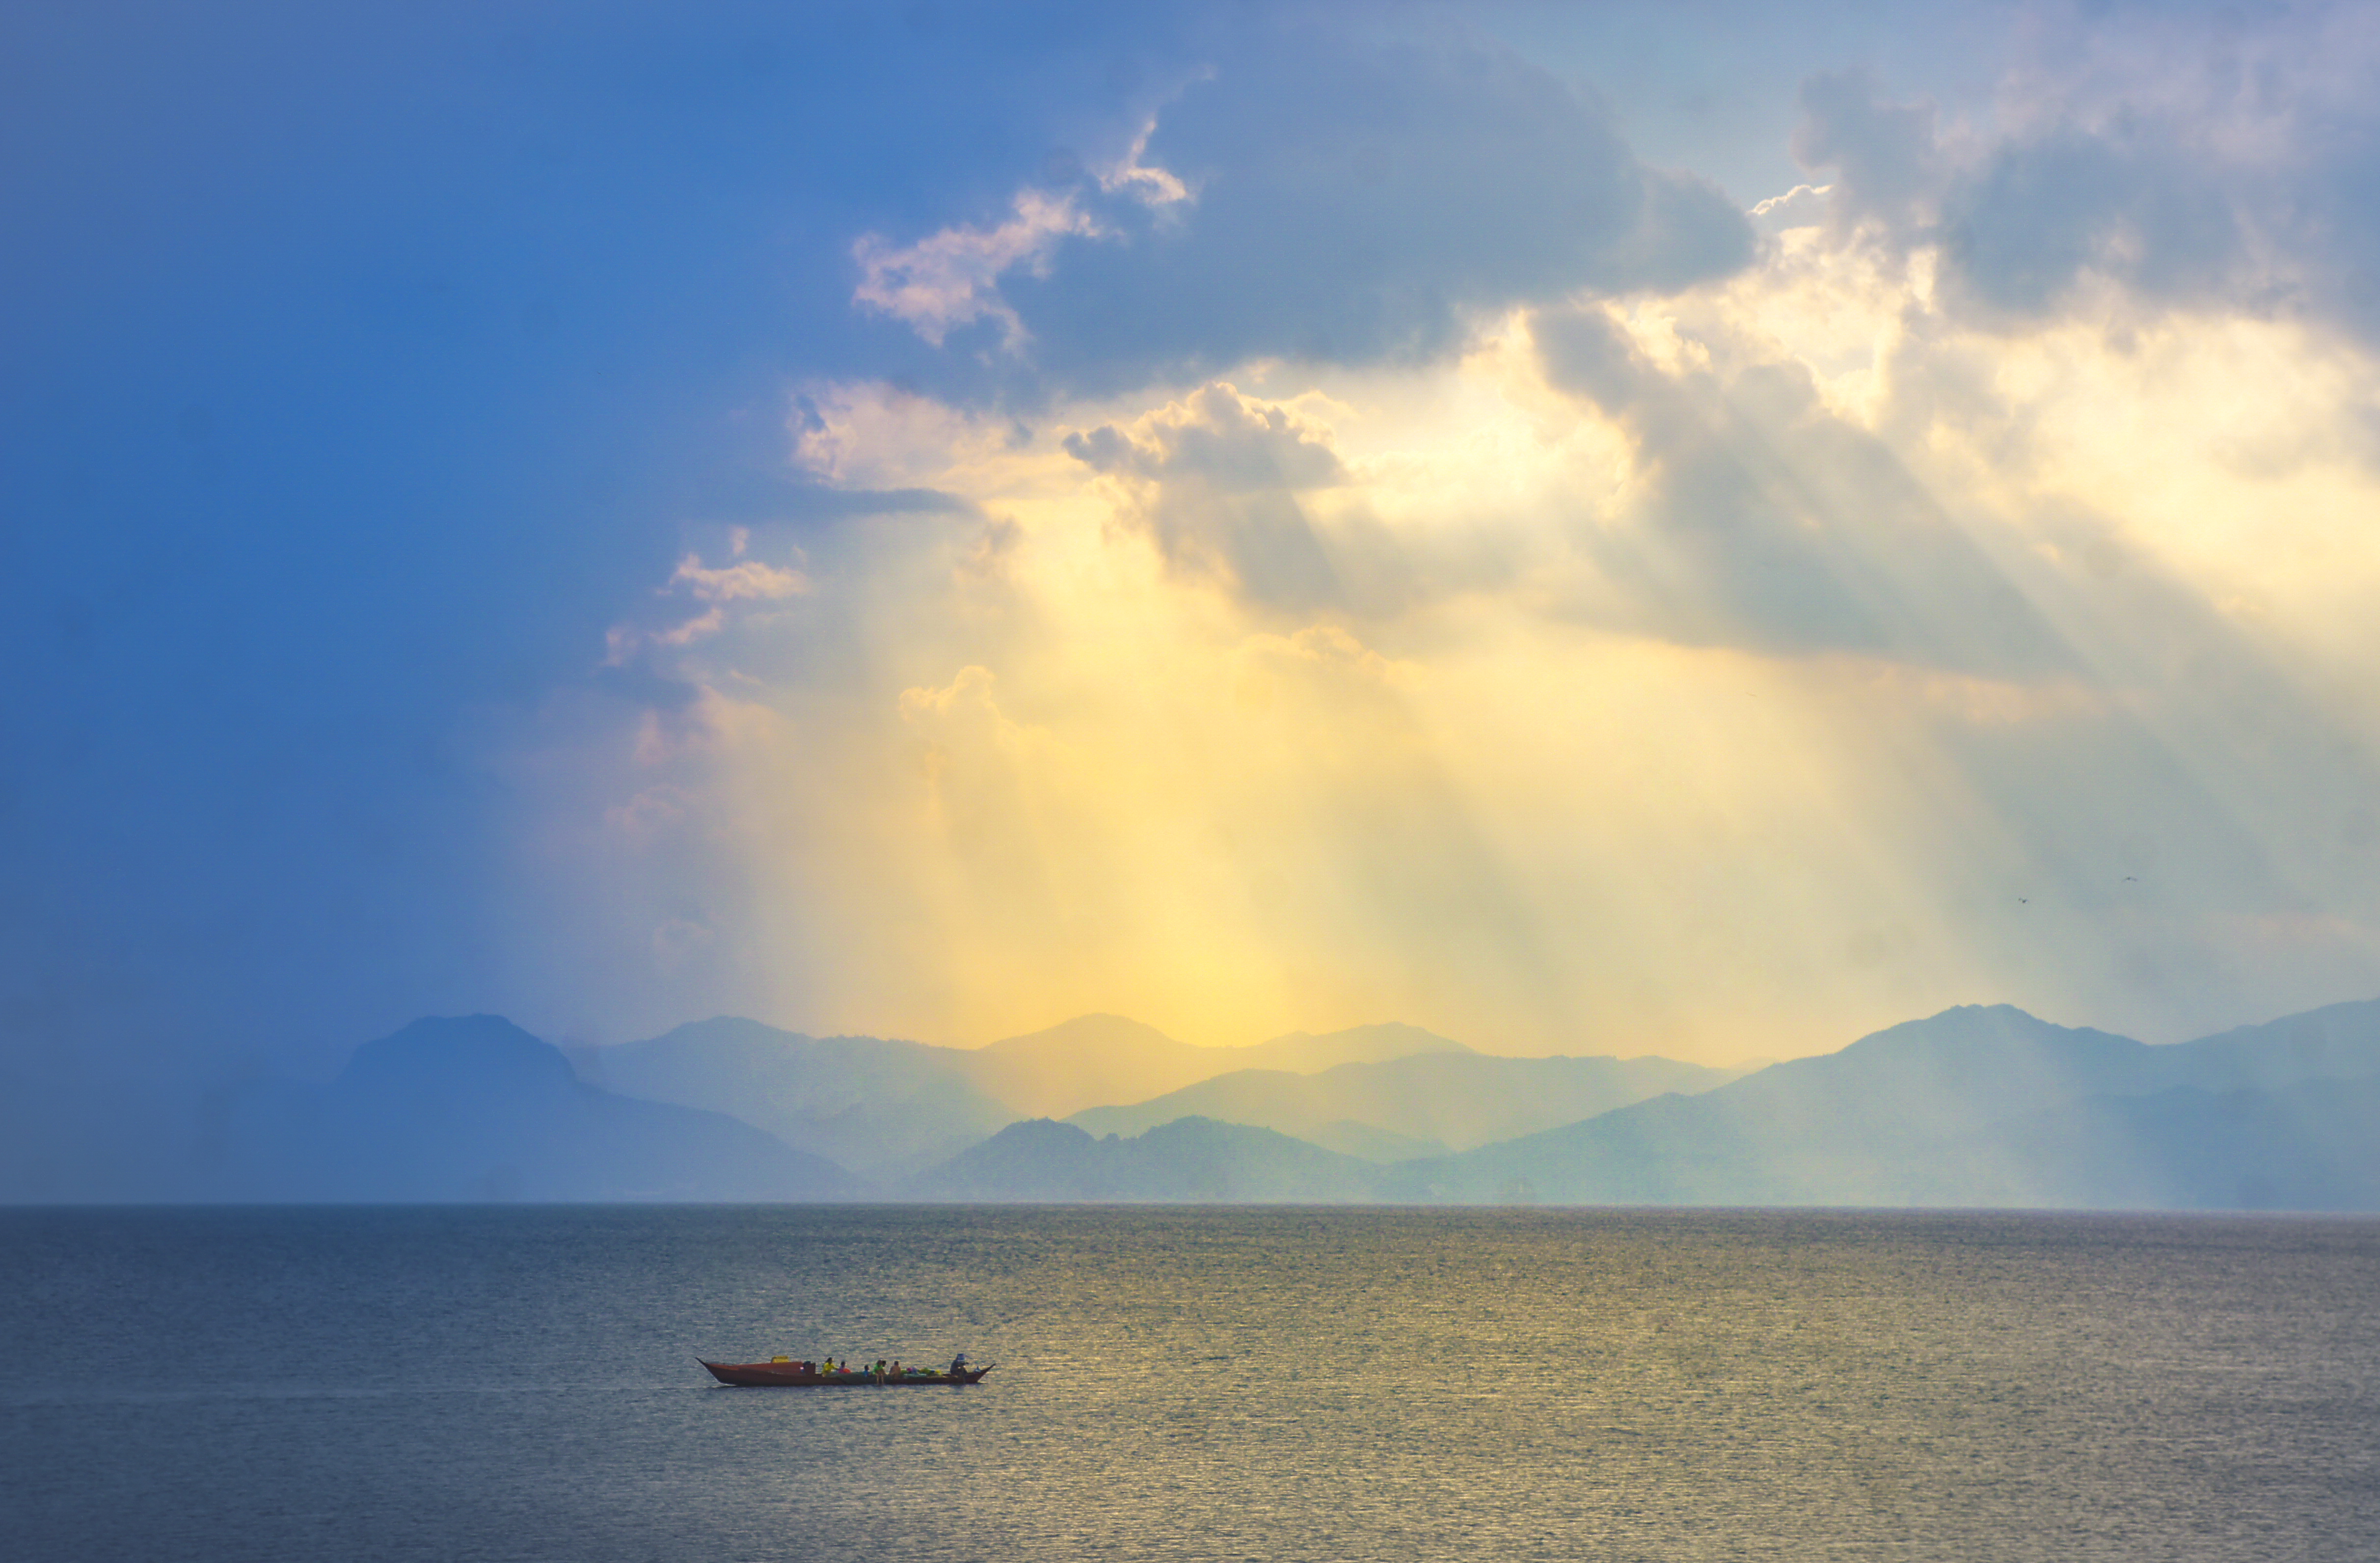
(1233, 443)
(750, 498)
(749, 580)
(1755, 516)
(1322, 198)
(1326, 649)
(2169, 164)
(1891, 169)
(697, 628)
(968, 696)
(2035, 220)
(949, 278)
(1214, 478)
(1799, 207)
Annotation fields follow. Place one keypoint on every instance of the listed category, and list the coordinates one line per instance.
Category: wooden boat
(797, 1375)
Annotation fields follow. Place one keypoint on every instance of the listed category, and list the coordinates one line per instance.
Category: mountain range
(1420, 1105)
(1192, 1160)
(471, 1108)
(1978, 1106)
(1984, 1107)
(891, 1108)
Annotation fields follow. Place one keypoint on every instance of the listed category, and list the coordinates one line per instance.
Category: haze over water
(501, 1384)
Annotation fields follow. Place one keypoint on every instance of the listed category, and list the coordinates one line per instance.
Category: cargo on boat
(784, 1374)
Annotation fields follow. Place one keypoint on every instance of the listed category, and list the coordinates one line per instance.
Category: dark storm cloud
(1356, 202)
(2243, 184)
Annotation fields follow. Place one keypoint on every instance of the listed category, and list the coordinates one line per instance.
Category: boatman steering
(958, 1365)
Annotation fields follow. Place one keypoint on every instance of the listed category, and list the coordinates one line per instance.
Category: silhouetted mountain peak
(1972, 1033)
(479, 1051)
(1039, 1131)
(734, 1031)
(1191, 1159)
(879, 1106)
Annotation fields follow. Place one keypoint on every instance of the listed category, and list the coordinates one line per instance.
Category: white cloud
(951, 278)
(697, 628)
(1803, 206)
(748, 581)
(1130, 175)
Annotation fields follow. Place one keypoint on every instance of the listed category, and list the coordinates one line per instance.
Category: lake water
(519, 1383)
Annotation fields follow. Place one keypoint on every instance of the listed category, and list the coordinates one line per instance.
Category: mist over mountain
(1082, 1062)
(886, 1109)
(1978, 1106)
(1304, 1052)
(472, 1109)
(1982, 1107)
(882, 1108)
(1415, 1104)
(1190, 1160)
(1094, 1060)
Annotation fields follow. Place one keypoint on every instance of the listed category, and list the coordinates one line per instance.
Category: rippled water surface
(519, 1383)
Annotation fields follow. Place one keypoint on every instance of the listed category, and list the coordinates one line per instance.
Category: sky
(1690, 528)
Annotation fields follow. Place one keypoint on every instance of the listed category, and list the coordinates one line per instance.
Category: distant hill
(1302, 1052)
(885, 1108)
(1424, 1103)
(2338, 1041)
(1978, 1106)
(1368, 1141)
(1191, 1160)
(1983, 1107)
(1097, 1059)
(471, 1108)
(1081, 1063)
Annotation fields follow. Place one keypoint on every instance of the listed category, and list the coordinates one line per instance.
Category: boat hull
(785, 1376)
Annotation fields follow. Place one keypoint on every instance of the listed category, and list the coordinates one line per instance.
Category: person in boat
(958, 1365)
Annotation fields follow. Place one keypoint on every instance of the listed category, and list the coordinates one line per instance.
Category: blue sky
(932, 519)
